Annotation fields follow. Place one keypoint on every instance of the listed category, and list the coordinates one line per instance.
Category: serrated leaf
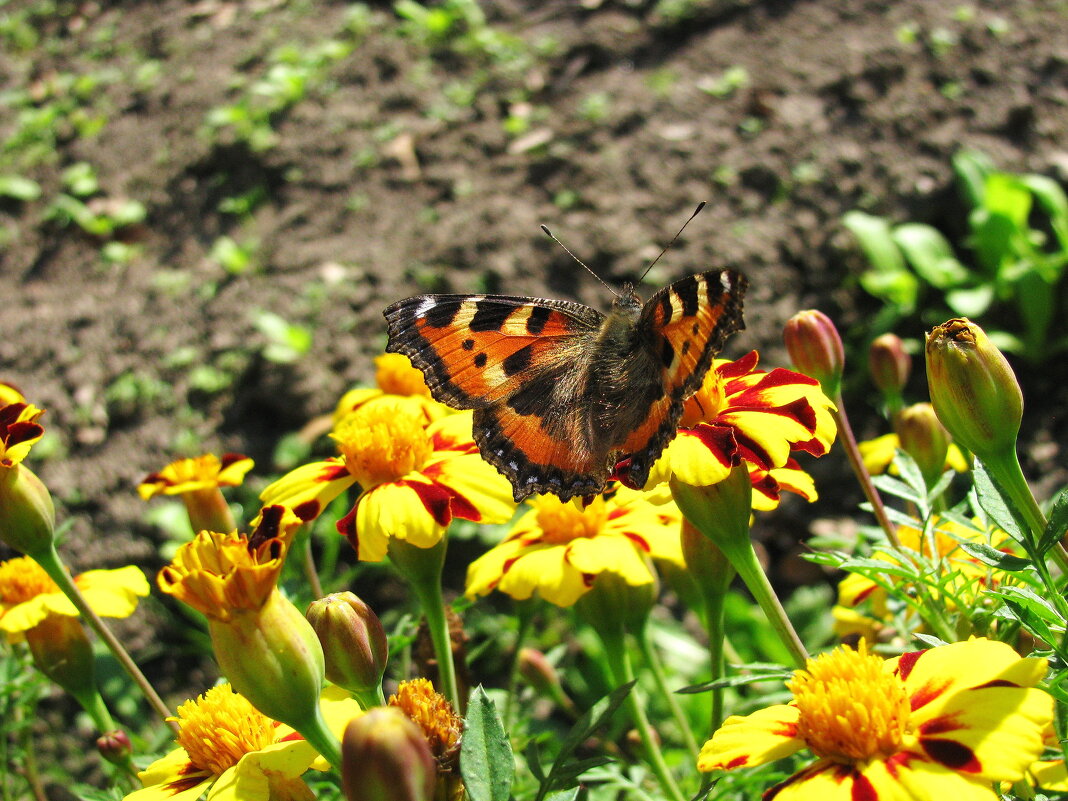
(995, 558)
(994, 503)
(486, 758)
(1030, 599)
(1029, 620)
(1057, 523)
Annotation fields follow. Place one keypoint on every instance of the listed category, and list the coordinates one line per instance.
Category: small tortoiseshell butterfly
(561, 392)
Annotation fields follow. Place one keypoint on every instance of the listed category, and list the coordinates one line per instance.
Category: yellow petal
(166, 780)
(878, 453)
(764, 736)
(693, 461)
(393, 510)
(478, 482)
(608, 554)
(544, 570)
(309, 488)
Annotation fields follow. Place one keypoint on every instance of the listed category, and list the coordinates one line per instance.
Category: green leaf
(18, 188)
(930, 255)
(999, 508)
(873, 234)
(486, 758)
(994, 558)
(1057, 523)
(534, 761)
(971, 301)
(971, 168)
(1007, 196)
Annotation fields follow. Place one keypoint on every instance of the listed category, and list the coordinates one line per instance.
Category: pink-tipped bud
(114, 746)
(538, 671)
(973, 389)
(353, 640)
(386, 757)
(924, 439)
(889, 364)
(815, 348)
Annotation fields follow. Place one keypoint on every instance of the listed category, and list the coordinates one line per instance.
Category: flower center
(22, 579)
(850, 707)
(220, 727)
(706, 403)
(562, 522)
(395, 375)
(419, 700)
(382, 443)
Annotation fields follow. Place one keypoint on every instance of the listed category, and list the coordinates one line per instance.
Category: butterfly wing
(684, 326)
(517, 362)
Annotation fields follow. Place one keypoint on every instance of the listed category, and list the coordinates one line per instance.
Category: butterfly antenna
(549, 234)
(667, 247)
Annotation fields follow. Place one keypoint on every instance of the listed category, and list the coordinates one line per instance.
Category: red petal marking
(10, 413)
(785, 729)
(189, 777)
(638, 540)
(940, 725)
(435, 499)
(508, 566)
(996, 683)
(331, 472)
(863, 789)
(346, 527)
(737, 762)
(907, 662)
(22, 431)
(720, 440)
(269, 527)
(751, 451)
(617, 512)
(155, 478)
(739, 367)
(780, 377)
(309, 510)
(229, 458)
(921, 696)
(621, 473)
(768, 486)
(952, 754)
(588, 579)
(812, 446)
(840, 773)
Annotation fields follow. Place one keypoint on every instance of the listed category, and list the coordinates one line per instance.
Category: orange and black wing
(684, 326)
(516, 362)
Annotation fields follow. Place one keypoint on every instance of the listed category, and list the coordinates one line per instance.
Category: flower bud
(385, 757)
(816, 349)
(924, 439)
(889, 365)
(538, 671)
(354, 643)
(114, 746)
(27, 515)
(973, 389)
(61, 650)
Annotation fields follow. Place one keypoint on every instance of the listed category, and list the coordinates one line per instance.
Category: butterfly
(561, 392)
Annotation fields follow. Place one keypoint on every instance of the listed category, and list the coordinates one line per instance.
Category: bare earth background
(407, 168)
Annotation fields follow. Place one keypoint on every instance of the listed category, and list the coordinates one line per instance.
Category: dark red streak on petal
(21, 432)
(951, 754)
(922, 696)
(346, 527)
(720, 440)
(638, 540)
(309, 510)
(907, 662)
(435, 499)
(332, 472)
(996, 683)
(229, 458)
(738, 367)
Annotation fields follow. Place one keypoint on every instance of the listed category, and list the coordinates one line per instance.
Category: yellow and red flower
(198, 481)
(19, 430)
(414, 479)
(236, 753)
(741, 413)
(557, 548)
(941, 723)
(28, 596)
(398, 381)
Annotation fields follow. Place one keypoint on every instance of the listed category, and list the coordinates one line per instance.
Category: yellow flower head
(19, 430)
(559, 548)
(9, 393)
(741, 413)
(28, 595)
(428, 708)
(236, 753)
(205, 472)
(878, 455)
(941, 723)
(415, 478)
(220, 574)
(399, 384)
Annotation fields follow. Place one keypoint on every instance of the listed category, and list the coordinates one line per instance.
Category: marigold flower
(399, 383)
(964, 575)
(264, 645)
(27, 515)
(934, 724)
(197, 481)
(28, 595)
(434, 715)
(414, 479)
(236, 753)
(559, 548)
(741, 413)
(9, 393)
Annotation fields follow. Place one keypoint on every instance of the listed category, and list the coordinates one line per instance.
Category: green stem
(308, 563)
(656, 666)
(715, 614)
(849, 443)
(422, 568)
(744, 560)
(318, 734)
(525, 616)
(622, 672)
(370, 698)
(49, 560)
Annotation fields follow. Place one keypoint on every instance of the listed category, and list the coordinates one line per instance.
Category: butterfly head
(627, 299)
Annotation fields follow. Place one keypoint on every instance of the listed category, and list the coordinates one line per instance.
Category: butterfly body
(561, 392)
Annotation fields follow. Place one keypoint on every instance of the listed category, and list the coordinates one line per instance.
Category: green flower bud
(354, 644)
(61, 650)
(815, 348)
(924, 439)
(115, 747)
(385, 757)
(27, 515)
(973, 389)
